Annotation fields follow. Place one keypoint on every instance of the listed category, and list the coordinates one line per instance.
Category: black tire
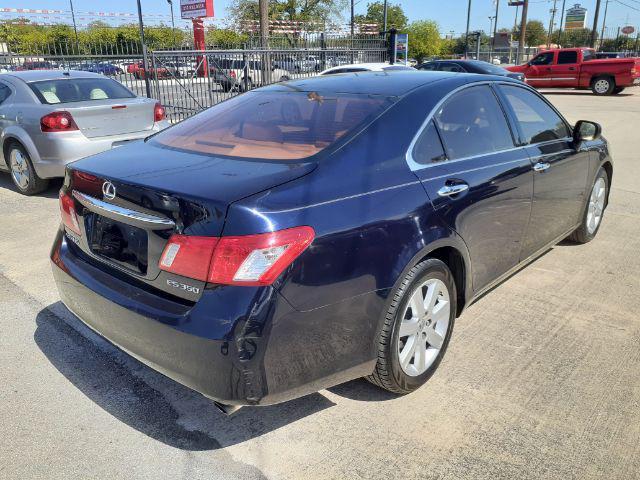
(34, 184)
(618, 90)
(603, 85)
(226, 87)
(388, 373)
(582, 233)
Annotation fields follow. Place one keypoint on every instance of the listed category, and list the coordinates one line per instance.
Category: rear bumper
(55, 151)
(236, 345)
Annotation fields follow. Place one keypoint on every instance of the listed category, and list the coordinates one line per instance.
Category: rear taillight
(68, 213)
(232, 74)
(58, 122)
(243, 260)
(159, 113)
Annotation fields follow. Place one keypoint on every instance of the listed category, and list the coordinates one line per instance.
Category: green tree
(225, 38)
(577, 37)
(396, 17)
(536, 33)
(424, 39)
(313, 11)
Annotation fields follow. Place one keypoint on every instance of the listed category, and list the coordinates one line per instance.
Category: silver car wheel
(424, 327)
(19, 168)
(601, 86)
(596, 205)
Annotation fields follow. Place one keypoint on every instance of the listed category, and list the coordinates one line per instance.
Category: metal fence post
(393, 44)
(323, 52)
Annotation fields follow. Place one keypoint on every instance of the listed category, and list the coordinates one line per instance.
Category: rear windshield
(72, 90)
(274, 125)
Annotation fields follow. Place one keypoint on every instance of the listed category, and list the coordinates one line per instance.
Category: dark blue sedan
(316, 231)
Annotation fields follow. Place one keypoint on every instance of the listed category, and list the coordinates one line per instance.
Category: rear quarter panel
(620, 69)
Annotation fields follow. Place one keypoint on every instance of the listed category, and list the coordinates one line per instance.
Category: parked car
(579, 68)
(299, 236)
(294, 64)
(365, 67)
(235, 73)
(36, 65)
(101, 68)
(139, 72)
(49, 118)
(179, 69)
(469, 66)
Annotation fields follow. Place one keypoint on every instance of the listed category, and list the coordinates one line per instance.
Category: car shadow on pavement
(362, 390)
(50, 192)
(147, 400)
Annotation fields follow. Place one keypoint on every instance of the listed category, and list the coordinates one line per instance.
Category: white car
(365, 67)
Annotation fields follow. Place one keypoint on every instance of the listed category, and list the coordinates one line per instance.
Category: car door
(539, 73)
(479, 182)
(7, 113)
(561, 170)
(564, 72)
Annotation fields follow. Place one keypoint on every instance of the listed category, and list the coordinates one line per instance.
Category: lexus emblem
(109, 190)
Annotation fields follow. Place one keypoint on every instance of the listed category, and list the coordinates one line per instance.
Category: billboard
(576, 17)
(196, 8)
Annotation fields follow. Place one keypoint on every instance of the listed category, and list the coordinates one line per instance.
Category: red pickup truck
(579, 68)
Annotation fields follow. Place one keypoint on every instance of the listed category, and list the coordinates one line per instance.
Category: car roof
(391, 83)
(374, 67)
(37, 75)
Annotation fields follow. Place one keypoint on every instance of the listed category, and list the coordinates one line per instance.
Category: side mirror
(586, 131)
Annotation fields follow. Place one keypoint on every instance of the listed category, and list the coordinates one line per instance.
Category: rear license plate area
(117, 242)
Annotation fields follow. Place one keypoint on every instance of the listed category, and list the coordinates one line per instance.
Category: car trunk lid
(101, 118)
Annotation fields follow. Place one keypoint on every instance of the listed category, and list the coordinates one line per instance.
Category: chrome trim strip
(125, 215)
(469, 170)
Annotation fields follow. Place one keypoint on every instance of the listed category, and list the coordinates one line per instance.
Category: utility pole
(523, 30)
(145, 59)
(491, 29)
(384, 17)
(75, 27)
(264, 40)
(466, 35)
(561, 22)
(553, 17)
(352, 18)
(173, 23)
(515, 27)
(594, 30)
(495, 27)
(604, 23)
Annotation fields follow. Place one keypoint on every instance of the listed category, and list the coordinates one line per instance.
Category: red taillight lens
(243, 260)
(58, 122)
(188, 256)
(159, 113)
(232, 74)
(68, 213)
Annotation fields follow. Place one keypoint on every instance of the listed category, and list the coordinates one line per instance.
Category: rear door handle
(572, 68)
(449, 190)
(541, 166)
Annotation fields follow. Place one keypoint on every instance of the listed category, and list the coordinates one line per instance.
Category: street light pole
(466, 35)
(145, 60)
(173, 23)
(495, 28)
(384, 17)
(75, 27)
(352, 19)
(491, 17)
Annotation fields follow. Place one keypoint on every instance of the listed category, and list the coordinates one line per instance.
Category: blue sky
(450, 14)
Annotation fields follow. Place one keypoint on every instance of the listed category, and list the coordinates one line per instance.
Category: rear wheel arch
(455, 261)
(608, 168)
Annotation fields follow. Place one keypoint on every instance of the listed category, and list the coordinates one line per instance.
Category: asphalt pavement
(541, 380)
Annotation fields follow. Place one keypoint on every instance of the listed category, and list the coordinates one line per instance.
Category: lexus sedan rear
(312, 232)
(49, 118)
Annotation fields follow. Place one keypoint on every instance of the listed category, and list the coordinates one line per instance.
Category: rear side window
(451, 67)
(472, 123)
(5, 92)
(427, 66)
(274, 125)
(428, 149)
(538, 121)
(73, 90)
(567, 57)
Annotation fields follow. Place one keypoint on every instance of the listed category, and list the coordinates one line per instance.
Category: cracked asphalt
(541, 380)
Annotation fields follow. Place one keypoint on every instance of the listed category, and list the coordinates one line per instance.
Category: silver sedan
(49, 118)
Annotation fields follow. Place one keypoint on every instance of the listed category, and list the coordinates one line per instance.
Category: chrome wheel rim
(424, 326)
(602, 86)
(19, 169)
(596, 205)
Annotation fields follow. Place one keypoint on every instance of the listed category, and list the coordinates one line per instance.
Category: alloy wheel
(596, 205)
(424, 327)
(19, 169)
(601, 86)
